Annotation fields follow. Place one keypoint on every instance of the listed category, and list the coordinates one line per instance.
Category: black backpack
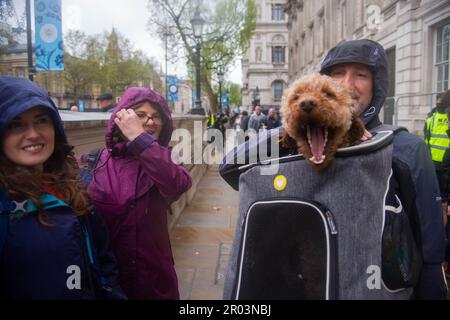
(88, 164)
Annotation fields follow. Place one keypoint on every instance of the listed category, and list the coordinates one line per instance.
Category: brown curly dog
(318, 117)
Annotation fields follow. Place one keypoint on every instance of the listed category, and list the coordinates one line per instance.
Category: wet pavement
(201, 239)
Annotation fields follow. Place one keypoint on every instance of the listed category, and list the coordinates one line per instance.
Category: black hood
(371, 54)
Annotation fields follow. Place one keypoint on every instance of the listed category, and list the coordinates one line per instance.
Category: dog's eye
(329, 94)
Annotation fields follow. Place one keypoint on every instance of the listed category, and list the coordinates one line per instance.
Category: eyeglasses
(156, 118)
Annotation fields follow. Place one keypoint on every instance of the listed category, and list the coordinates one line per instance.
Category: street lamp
(256, 99)
(197, 26)
(166, 35)
(220, 76)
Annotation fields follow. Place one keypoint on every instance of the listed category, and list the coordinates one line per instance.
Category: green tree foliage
(231, 28)
(81, 70)
(229, 25)
(6, 9)
(11, 25)
(122, 66)
(107, 60)
(235, 93)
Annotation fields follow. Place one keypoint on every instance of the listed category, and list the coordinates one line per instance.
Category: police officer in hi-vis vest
(438, 141)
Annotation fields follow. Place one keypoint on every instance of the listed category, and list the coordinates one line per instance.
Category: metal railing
(391, 106)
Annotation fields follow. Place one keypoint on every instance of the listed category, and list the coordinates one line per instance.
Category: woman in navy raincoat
(52, 246)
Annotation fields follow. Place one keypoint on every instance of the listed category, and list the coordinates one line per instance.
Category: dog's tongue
(317, 143)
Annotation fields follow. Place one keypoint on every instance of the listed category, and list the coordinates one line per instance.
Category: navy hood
(371, 54)
(18, 95)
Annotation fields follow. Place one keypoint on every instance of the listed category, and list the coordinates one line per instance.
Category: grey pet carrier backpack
(305, 234)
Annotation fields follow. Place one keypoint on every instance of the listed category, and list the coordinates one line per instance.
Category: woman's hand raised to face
(129, 123)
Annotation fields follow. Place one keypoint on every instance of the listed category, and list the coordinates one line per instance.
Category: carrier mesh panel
(285, 253)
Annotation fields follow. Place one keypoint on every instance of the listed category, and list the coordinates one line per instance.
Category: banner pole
(29, 43)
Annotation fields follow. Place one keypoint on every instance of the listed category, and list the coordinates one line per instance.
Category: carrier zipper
(330, 220)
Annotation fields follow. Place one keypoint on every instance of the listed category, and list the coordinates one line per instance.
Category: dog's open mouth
(317, 140)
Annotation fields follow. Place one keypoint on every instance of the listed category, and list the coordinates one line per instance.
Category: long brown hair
(60, 174)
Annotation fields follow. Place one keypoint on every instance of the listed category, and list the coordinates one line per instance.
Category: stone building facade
(265, 64)
(415, 34)
(14, 63)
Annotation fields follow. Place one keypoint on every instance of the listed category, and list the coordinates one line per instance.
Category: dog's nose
(307, 105)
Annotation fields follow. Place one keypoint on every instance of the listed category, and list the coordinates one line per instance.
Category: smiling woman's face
(29, 139)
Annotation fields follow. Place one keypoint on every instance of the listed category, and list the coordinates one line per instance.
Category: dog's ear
(355, 132)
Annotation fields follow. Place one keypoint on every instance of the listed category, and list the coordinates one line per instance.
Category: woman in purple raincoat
(134, 182)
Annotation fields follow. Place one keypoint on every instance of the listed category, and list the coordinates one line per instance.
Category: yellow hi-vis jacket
(436, 135)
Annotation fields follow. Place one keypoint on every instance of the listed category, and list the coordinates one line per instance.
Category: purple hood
(133, 96)
(133, 192)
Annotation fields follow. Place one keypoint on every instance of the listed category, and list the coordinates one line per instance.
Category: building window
(278, 38)
(278, 87)
(442, 58)
(277, 55)
(277, 12)
(258, 54)
(20, 71)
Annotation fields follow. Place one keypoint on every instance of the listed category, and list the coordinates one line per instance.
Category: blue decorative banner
(224, 101)
(48, 34)
(81, 106)
(172, 87)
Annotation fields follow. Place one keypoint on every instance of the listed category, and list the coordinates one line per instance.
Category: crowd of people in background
(259, 119)
(105, 103)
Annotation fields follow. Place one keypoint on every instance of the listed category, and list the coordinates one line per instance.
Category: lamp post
(29, 41)
(256, 99)
(197, 26)
(220, 76)
(166, 34)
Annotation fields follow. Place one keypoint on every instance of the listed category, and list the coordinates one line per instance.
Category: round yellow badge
(280, 183)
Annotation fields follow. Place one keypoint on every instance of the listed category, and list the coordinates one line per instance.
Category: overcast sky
(128, 17)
